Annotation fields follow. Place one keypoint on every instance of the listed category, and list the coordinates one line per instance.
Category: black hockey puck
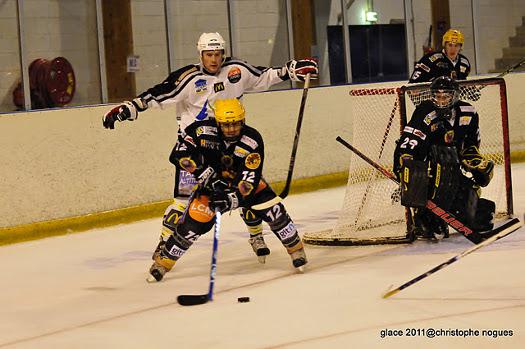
(243, 299)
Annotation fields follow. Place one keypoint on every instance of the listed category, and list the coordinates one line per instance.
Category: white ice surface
(88, 290)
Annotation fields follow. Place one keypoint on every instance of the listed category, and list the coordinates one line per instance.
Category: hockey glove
(223, 201)
(125, 111)
(206, 176)
(482, 170)
(297, 70)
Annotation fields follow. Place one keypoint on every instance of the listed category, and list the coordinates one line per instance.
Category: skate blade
(261, 259)
(151, 280)
(300, 270)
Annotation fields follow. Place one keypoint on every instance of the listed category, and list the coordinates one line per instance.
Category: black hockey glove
(297, 70)
(125, 111)
(223, 201)
(482, 170)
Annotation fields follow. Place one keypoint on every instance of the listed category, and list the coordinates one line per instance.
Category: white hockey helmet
(210, 42)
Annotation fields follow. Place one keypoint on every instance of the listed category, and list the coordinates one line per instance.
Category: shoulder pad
(435, 56)
(252, 143)
(467, 108)
(177, 76)
(464, 60)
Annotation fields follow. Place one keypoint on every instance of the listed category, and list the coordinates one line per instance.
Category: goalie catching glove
(481, 169)
(297, 70)
(125, 111)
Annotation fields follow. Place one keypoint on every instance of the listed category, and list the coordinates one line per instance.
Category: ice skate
(159, 268)
(159, 248)
(298, 256)
(259, 247)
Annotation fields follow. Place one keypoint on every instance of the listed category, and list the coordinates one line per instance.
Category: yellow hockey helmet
(228, 110)
(454, 36)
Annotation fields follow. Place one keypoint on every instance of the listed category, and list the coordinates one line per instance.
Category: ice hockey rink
(88, 290)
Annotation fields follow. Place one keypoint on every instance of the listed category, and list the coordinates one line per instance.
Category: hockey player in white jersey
(192, 89)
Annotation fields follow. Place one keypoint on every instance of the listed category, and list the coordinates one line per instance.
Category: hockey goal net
(370, 213)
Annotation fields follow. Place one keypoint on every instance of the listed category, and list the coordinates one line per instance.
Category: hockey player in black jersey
(226, 157)
(437, 157)
(192, 90)
(447, 62)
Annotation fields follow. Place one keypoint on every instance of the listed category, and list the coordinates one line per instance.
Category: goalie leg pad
(465, 202)
(447, 175)
(484, 215)
(414, 183)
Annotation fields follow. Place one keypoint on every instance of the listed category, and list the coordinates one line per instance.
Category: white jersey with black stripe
(191, 89)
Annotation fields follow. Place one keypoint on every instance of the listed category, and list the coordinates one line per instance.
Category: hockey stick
(511, 69)
(502, 231)
(446, 216)
(286, 188)
(190, 299)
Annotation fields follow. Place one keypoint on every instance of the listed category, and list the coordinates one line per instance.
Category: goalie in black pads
(226, 158)
(438, 158)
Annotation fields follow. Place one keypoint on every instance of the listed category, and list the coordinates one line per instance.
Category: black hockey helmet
(444, 92)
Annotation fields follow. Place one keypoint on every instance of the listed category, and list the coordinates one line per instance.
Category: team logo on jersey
(199, 209)
(442, 65)
(189, 140)
(253, 161)
(465, 120)
(219, 86)
(234, 75)
(249, 141)
(420, 134)
(245, 188)
(424, 67)
(428, 119)
(449, 136)
(207, 130)
(453, 75)
(240, 152)
(209, 144)
(435, 56)
(201, 86)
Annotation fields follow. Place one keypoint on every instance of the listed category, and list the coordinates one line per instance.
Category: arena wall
(62, 163)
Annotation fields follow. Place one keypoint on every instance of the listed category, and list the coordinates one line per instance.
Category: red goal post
(376, 116)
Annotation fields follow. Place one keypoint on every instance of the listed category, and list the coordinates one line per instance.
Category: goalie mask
(444, 93)
(230, 116)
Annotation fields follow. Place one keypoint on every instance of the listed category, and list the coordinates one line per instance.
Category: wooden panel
(118, 42)
(303, 27)
(440, 21)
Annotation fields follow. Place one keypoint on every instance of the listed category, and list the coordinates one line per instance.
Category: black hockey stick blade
(495, 234)
(192, 299)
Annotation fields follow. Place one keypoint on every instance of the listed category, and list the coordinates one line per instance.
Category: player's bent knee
(250, 217)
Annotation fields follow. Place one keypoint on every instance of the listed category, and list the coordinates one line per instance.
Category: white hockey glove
(297, 70)
(206, 176)
(125, 111)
